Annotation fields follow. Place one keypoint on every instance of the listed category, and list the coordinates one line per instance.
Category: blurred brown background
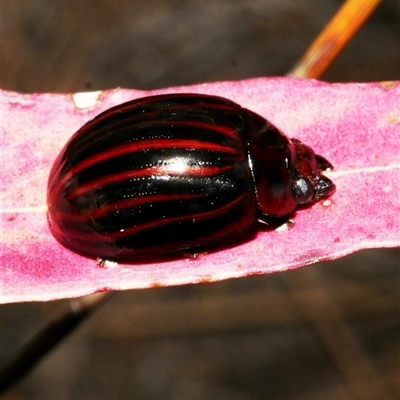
(327, 331)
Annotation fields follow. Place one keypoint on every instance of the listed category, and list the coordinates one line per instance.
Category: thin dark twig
(79, 309)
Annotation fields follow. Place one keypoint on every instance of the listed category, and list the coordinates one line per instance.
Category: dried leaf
(355, 126)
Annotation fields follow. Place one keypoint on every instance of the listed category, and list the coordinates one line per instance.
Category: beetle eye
(302, 190)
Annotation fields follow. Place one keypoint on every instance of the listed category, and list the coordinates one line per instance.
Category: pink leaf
(355, 126)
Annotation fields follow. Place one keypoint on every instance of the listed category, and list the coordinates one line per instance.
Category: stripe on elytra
(191, 171)
(210, 214)
(144, 145)
(138, 118)
(205, 215)
(102, 211)
(104, 134)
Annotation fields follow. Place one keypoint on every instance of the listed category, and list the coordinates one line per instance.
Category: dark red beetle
(174, 172)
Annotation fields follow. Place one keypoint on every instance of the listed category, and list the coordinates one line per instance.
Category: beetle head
(309, 185)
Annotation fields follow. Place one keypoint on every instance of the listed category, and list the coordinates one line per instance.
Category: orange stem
(350, 17)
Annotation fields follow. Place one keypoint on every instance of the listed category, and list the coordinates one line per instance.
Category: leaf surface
(355, 126)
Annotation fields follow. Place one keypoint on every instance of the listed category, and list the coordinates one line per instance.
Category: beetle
(173, 172)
